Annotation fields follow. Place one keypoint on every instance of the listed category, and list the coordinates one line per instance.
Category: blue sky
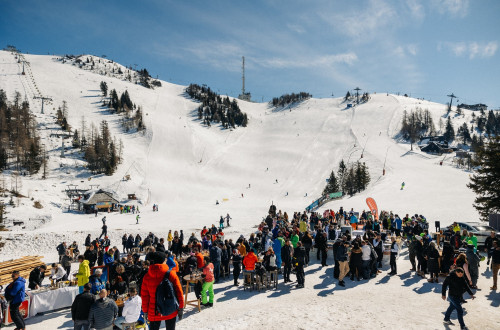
(426, 48)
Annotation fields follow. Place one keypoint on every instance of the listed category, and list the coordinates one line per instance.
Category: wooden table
(192, 279)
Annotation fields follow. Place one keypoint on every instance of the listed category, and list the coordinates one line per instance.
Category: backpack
(166, 299)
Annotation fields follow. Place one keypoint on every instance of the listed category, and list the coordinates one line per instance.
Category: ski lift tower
(23, 73)
(357, 89)
(451, 101)
(245, 96)
(43, 99)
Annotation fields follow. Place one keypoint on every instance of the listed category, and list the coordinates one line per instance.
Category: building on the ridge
(436, 148)
(99, 200)
(473, 107)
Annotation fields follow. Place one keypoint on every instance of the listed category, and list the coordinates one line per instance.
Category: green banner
(336, 195)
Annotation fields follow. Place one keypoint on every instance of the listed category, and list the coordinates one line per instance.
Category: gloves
(180, 313)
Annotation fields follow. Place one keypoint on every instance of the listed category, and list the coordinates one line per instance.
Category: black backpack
(166, 299)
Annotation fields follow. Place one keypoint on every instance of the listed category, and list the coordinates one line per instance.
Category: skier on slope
(137, 219)
(227, 219)
(402, 186)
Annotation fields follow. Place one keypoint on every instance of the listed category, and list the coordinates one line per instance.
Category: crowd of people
(281, 243)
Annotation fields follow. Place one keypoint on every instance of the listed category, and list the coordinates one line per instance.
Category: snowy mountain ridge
(282, 157)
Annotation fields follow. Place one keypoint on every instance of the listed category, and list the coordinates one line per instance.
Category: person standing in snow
(208, 284)
(402, 185)
(137, 219)
(300, 257)
(394, 254)
(104, 230)
(227, 219)
(15, 294)
(237, 259)
(495, 266)
(343, 258)
(457, 285)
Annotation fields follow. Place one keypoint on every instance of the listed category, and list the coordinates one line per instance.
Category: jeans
(366, 269)
(216, 271)
(81, 325)
(169, 324)
(118, 322)
(287, 269)
(308, 250)
(455, 304)
(16, 316)
(207, 286)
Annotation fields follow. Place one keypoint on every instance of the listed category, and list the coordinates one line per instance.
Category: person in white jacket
(58, 273)
(131, 309)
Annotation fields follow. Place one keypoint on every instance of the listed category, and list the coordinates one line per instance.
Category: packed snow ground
(184, 167)
(405, 301)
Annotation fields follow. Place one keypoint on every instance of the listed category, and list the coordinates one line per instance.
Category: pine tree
(486, 183)
(350, 181)
(104, 88)
(449, 134)
(463, 132)
(332, 185)
(490, 124)
(341, 175)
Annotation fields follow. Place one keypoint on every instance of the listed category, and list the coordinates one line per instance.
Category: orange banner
(372, 206)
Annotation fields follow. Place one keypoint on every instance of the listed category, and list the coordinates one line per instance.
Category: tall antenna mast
(244, 95)
(243, 76)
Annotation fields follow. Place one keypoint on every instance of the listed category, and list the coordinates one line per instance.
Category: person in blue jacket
(277, 251)
(15, 294)
(108, 258)
(398, 224)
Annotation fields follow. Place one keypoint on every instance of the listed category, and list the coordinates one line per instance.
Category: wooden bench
(249, 280)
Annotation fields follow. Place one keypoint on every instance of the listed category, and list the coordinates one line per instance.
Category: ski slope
(184, 167)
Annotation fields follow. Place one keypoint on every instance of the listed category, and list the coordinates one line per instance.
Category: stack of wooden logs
(24, 265)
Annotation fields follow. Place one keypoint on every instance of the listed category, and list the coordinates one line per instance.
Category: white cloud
(457, 8)
(364, 23)
(412, 49)
(296, 28)
(471, 49)
(416, 9)
(405, 50)
(309, 62)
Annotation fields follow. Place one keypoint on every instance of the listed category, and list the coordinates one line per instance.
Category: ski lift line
(386, 153)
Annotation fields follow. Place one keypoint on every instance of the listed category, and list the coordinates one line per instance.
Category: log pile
(24, 265)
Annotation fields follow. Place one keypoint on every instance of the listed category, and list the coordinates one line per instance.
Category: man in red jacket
(151, 280)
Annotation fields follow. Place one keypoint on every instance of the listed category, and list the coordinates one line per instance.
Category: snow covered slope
(185, 167)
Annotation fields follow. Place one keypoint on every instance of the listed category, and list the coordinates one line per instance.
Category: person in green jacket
(294, 239)
(83, 273)
(473, 238)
